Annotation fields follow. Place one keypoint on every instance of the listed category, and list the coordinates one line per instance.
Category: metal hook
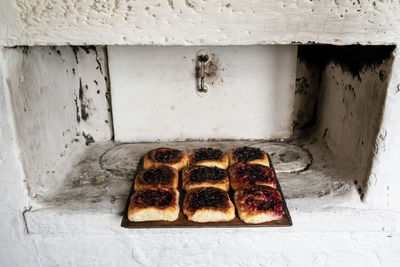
(202, 58)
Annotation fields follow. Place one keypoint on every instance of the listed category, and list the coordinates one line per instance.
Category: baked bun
(155, 204)
(208, 204)
(245, 175)
(171, 157)
(200, 176)
(210, 157)
(259, 204)
(162, 176)
(248, 155)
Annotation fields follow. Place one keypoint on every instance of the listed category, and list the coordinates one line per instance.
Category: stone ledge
(93, 195)
(54, 221)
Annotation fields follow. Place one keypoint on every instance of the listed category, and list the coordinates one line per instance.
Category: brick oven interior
(83, 97)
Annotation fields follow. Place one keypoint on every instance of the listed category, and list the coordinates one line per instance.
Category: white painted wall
(188, 22)
(250, 93)
(16, 249)
(324, 233)
(59, 100)
(315, 240)
(383, 183)
(328, 236)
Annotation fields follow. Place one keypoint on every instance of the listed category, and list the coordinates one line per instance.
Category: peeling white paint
(57, 108)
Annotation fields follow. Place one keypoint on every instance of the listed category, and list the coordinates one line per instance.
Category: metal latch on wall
(202, 58)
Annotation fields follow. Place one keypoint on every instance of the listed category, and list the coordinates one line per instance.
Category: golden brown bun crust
(171, 157)
(209, 157)
(208, 204)
(162, 176)
(258, 204)
(243, 175)
(156, 204)
(200, 176)
(248, 155)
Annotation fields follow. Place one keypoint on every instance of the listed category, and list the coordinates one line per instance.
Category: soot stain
(89, 139)
(350, 88)
(84, 106)
(75, 51)
(382, 75)
(352, 58)
(211, 70)
(87, 49)
(301, 86)
(325, 132)
(78, 118)
(26, 50)
(94, 49)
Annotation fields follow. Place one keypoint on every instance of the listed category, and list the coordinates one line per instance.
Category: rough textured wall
(349, 116)
(16, 248)
(60, 101)
(188, 22)
(383, 183)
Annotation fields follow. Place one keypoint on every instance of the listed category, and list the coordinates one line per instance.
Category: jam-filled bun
(171, 157)
(245, 175)
(201, 176)
(248, 155)
(208, 204)
(258, 204)
(209, 157)
(162, 176)
(154, 204)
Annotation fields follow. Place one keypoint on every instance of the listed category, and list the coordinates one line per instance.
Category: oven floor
(101, 177)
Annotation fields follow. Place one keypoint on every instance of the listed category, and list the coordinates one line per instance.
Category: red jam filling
(262, 199)
(166, 155)
(201, 174)
(244, 154)
(157, 175)
(252, 173)
(208, 197)
(207, 154)
(154, 197)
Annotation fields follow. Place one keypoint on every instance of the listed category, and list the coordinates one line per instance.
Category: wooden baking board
(182, 222)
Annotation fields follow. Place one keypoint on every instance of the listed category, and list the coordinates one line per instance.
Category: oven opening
(85, 115)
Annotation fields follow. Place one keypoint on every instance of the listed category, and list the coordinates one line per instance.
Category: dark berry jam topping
(166, 155)
(258, 191)
(207, 154)
(262, 199)
(157, 175)
(208, 197)
(244, 154)
(201, 174)
(253, 173)
(263, 204)
(154, 197)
